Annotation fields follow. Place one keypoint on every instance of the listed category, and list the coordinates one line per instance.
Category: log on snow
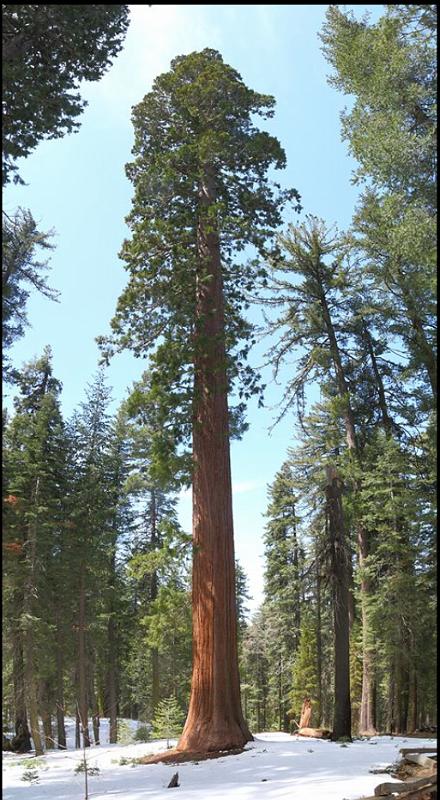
(421, 759)
(315, 733)
(405, 750)
(402, 787)
(413, 794)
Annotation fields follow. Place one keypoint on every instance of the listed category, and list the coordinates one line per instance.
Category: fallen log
(405, 750)
(421, 760)
(402, 787)
(414, 794)
(315, 733)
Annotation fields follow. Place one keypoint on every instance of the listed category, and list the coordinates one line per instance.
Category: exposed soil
(178, 757)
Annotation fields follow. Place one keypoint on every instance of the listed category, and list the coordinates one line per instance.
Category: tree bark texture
(77, 730)
(340, 592)
(29, 649)
(46, 716)
(155, 674)
(94, 705)
(111, 681)
(21, 742)
(111, 693)
(215, 720)
(61, 730)
(318, 642)
(82, 665)
(306, 713)
(367, 714)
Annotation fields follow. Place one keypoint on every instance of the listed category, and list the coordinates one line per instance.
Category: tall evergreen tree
(390, 68)
(201, 195)
(91, 515)
(35, 463)
(282, 585)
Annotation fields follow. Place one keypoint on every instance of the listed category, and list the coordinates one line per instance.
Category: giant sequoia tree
(201, 196)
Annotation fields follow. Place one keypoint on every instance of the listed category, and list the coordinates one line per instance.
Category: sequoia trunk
(215, 720)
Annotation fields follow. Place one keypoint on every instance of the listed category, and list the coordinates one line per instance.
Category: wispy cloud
(246, 486)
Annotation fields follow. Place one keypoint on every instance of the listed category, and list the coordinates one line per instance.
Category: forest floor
(275, 766)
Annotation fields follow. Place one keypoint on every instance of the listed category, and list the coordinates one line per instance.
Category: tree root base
(183, 756)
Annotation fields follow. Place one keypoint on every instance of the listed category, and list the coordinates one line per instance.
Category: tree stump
(306, 713)
(174, 781)
(315, 733)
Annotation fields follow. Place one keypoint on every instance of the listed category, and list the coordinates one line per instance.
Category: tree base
(182, 756)
(315, 733)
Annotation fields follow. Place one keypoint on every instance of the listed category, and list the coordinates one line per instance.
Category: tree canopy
(47, 51)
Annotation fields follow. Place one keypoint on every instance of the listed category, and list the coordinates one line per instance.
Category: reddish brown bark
(306, 713)
(215, 720)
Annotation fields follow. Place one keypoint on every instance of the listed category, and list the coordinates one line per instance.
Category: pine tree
(91, 515)
(390, 69)
(256, 671)
(201, 195)
(304, 674)
(35, 462)
(282, 587)
(20, 271)
(168, 720)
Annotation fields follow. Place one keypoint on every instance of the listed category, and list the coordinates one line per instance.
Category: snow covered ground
(275, 766)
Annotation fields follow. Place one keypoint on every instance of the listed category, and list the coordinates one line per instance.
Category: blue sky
(77, 186)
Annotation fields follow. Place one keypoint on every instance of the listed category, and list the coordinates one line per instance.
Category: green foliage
(81, 768)
(304, 674)
(168, 720)
(30, 776)
(390, 68)
(308, 282)
(198, 116)
(47, 51)
(142, 734)
(123, 761)
(21, 271)
(125, 734)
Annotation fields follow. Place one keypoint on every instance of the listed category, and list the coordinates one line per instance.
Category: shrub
(30, 775)
(125, 735)
(142, 734)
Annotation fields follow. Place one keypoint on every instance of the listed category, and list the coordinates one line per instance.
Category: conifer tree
(91, 515)
(201, 196)
(282, 586)
(390, 68)
(21, 271)
(35, 463)
(47, 51)
(168, 720)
